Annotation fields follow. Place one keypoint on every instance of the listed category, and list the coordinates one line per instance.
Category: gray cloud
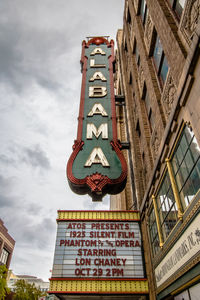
(36, 234)
(40, 83)
(101, 205)
(36, 157)
(7, 160)
(6, 201)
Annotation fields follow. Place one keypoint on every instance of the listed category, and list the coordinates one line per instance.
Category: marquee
(98, 247)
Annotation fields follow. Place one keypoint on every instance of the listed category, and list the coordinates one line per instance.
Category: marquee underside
(101, 297)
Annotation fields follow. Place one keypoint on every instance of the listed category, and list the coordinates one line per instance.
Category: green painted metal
(115, 169)
(194, 272)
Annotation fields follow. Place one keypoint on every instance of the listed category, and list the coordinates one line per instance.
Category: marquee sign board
(97, 165)
(99, 246)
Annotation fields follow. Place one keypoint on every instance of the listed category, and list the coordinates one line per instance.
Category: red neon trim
(73, 210)
(112, 96)
(83, 87)
(107, 220)
(97, 279)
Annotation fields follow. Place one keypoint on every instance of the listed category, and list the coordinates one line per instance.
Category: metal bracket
(125, 145)
(119, 100)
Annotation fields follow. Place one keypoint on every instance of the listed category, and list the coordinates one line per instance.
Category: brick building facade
(7, 244)
(157, 72)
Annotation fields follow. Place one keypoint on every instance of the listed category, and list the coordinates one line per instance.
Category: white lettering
(97, 109)
(92, 64)
(97, 91)
(97, 157)
(98, 50)
(98, 76)
(91, 129)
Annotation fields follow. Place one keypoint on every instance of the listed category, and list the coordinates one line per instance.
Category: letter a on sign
(97, 157)
(98, 76)
(97, 109)
(98, 50)
(97, 165)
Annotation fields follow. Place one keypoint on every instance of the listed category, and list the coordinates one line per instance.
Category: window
(4, 256)
(130, 78)
(148, 107)
(153, 230)
(177, 6)
(143, 11)
(186, 166)
(128, 16)
(167, 208)
(138, 128)
(160, 60)
(177, 189)
(137, 55)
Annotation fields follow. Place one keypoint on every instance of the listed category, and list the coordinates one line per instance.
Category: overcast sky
(40, 79)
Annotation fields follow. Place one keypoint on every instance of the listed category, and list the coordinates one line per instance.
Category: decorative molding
(137, 6)
(92, 286)
(102, 215)
(155, 141)
(141, 80)
(96, 182)
(182, 271)
(98, 41)
(190, 19)
(169, 94)
(149, 33)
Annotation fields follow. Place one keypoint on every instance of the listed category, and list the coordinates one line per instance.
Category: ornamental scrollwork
(141, 79)
(148, 34)
(136, 5)
(190, 19)
(155, 141)
(169, 94)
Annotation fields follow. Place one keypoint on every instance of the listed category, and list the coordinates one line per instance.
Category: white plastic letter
(97, 109)
(98, 50)
(98, 76)
(97, 157)
(91, 129)
(92, 64)
(97, 91)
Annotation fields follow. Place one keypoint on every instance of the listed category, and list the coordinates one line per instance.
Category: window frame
(4, 256)
(163, 218)
(173, 6)
(162, 237)
(153, 237)
(143, 11)
(184, 162)
(159, 66)
(148, 107)
(137, 54)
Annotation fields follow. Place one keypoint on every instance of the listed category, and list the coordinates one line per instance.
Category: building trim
(83, 286)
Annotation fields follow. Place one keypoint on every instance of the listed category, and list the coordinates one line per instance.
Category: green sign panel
(97, 165)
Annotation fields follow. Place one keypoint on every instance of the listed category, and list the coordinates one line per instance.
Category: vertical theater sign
(97, 165)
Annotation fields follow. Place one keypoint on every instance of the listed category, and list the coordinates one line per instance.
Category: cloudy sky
(40, 79)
